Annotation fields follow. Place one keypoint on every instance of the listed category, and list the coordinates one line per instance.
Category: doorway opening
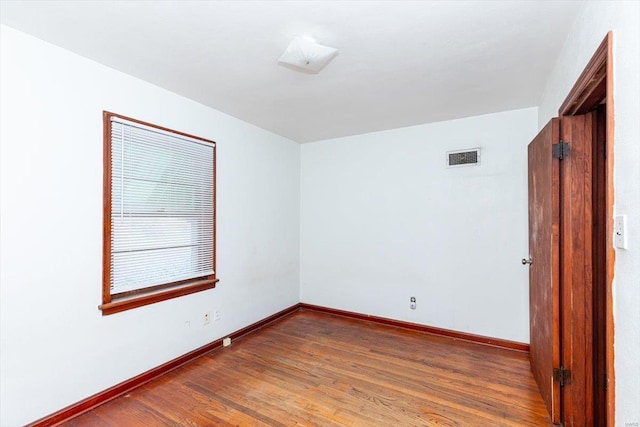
(571, 237)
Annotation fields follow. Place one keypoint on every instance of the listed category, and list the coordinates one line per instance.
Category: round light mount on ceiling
(305, 55)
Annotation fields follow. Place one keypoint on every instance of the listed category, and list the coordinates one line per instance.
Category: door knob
(527, 261)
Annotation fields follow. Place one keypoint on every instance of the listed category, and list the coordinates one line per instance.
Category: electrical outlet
(216, 315)
(412, 303)
(206, 318)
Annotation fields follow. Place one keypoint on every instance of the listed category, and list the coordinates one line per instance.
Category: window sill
(151, 298)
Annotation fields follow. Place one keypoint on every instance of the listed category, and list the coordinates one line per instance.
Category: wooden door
(544, 267)
(577, 251)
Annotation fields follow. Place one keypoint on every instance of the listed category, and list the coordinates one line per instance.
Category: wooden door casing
(600, 268)
(544, 271)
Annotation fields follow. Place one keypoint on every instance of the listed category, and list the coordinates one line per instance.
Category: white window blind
(162, 207)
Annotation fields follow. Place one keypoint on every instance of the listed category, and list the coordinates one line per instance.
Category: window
(159, 214)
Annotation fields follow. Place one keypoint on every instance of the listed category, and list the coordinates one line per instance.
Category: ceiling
(401, 63)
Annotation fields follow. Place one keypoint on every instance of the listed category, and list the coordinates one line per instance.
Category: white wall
(588, 30)
(56, 347)
(384, 219)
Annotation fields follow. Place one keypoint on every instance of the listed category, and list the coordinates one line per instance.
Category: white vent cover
(468, 157)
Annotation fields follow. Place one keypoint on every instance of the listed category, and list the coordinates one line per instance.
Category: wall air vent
(468, 157)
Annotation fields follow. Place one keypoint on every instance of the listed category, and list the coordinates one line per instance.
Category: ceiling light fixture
(306, 55)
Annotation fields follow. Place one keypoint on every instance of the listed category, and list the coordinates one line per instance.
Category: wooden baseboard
(479, 339)
(118, 390)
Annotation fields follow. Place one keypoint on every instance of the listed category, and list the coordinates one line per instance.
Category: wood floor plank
(316, 369)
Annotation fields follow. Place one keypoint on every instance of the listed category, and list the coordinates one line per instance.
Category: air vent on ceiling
(468, 157)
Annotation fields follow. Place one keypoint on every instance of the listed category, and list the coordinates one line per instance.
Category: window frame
(162, 292)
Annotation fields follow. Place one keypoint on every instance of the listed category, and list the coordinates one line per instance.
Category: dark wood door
(577, 251)
(544, 270)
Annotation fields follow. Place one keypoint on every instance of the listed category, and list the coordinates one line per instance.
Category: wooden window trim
(151, 298)
(121, 302)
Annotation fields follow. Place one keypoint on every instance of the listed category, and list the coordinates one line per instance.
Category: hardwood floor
(315, 369)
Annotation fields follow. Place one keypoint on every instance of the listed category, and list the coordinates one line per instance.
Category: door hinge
(560, 150)
(562, 375)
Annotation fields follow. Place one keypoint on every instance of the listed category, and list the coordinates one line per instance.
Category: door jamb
(594, 85)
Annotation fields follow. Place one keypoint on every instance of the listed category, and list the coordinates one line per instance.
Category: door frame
(593, 87)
